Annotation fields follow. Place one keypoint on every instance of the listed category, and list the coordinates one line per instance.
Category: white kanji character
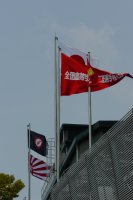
(105, 78)
(76, 76)
(81, 76)
(114, 78)
(86, 77)
(110, 78)
(72, 75)
(67, 75)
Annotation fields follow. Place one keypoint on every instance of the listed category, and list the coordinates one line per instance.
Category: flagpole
(58, 116)
(55, 44)
(89, 112)
(90, 117)
(57, 108)
(29, 177)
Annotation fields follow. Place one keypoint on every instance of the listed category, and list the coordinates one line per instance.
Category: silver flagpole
(89, 112)
(57, 107)
(58, 116)
(29, 178)
(90, 116)
(55, 43)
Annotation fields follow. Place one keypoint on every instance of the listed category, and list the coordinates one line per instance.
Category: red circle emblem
(38, 142)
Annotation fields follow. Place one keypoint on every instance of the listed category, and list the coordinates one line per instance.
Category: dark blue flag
(38, 143)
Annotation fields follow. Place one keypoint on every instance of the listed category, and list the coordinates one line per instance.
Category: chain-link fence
(105, 172)
(50, 159)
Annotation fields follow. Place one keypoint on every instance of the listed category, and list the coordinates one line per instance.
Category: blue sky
(27, 30)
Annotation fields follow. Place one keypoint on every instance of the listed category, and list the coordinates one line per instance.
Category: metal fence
(105, 172)
(50, 159)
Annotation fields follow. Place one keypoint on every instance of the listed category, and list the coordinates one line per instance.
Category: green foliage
(9, 187)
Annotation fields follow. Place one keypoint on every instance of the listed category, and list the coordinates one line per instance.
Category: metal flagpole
(58, 116)
(89, 112)
(90, 116)
(55, 43)
(57, 107)
(29, 178)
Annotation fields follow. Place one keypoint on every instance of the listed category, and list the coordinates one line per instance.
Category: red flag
(39, 168)
(76, 76)
(99, 79)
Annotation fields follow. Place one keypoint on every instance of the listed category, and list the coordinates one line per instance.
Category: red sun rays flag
(39, 168)
(77, 74)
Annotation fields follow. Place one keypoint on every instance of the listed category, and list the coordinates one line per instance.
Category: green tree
(9, 187)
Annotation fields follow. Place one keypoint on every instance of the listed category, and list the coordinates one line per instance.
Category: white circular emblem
(38, 142)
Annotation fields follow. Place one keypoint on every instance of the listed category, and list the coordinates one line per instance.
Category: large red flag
(77, 76)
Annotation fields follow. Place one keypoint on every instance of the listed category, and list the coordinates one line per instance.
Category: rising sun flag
(39, 168)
